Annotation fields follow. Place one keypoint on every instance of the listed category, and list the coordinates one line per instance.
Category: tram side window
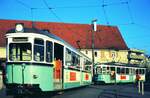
(20, 52)
(104, 70)
(49, 47)
(137, 71)
(75, 59)
(122, 70)
(38, 49)
(99, 70)
(127, 70)
(88, 68)
(78, 60)
(87, 64)
(68, 57)
(108, 70)
(118, 70)
(130, 71)
(142, 71)
(112, 69)
(133, 71)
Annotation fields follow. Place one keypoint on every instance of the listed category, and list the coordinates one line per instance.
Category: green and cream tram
(110, 73)
(38, 61)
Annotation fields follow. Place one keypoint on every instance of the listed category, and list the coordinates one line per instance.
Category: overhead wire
(104, 4)
(58, 18)
(130, 13)
(50, 9)
(105, 15)
(29, 7)
(24, 4)
(77, 6)
(143, 26)
(123, 24)
(61, 21)
(69, 7)
(114, 4)
(118, 3)
(111, 28)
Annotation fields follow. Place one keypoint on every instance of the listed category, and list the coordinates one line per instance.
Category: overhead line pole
(94, 28)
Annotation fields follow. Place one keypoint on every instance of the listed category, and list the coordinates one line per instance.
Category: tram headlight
(19, 27)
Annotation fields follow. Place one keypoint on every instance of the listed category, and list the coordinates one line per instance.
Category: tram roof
(118, 64)
(38, 31)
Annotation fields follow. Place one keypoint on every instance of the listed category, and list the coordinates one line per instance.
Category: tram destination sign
(16, 39)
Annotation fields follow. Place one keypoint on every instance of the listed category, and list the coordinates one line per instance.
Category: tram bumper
(22, 89)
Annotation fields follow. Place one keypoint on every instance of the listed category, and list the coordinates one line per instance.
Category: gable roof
(78, 35)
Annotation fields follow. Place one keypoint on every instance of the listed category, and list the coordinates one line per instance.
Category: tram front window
(20, 52)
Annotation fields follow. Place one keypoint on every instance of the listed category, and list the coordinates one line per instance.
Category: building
(136, 56)
(109, 44)
(108, 55)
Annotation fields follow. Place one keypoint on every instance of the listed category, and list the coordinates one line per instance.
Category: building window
(102, 54)
(95, 54)
(86, 52)
(113, 55)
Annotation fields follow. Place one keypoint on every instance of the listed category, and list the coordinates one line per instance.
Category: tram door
(58, 72)
(113, 73)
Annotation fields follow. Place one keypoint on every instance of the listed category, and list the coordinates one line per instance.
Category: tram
(110, 73)
(38, 61)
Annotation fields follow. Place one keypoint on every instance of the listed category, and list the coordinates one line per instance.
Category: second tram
(109, 73)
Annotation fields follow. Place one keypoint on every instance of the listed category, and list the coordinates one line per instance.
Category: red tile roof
(106, 37)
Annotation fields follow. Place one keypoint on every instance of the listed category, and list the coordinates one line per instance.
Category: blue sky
(131, 16)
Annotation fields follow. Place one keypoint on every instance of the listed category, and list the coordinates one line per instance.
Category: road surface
(97, 91)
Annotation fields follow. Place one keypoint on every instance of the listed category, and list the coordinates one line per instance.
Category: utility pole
(94, 28)
(33, 23)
